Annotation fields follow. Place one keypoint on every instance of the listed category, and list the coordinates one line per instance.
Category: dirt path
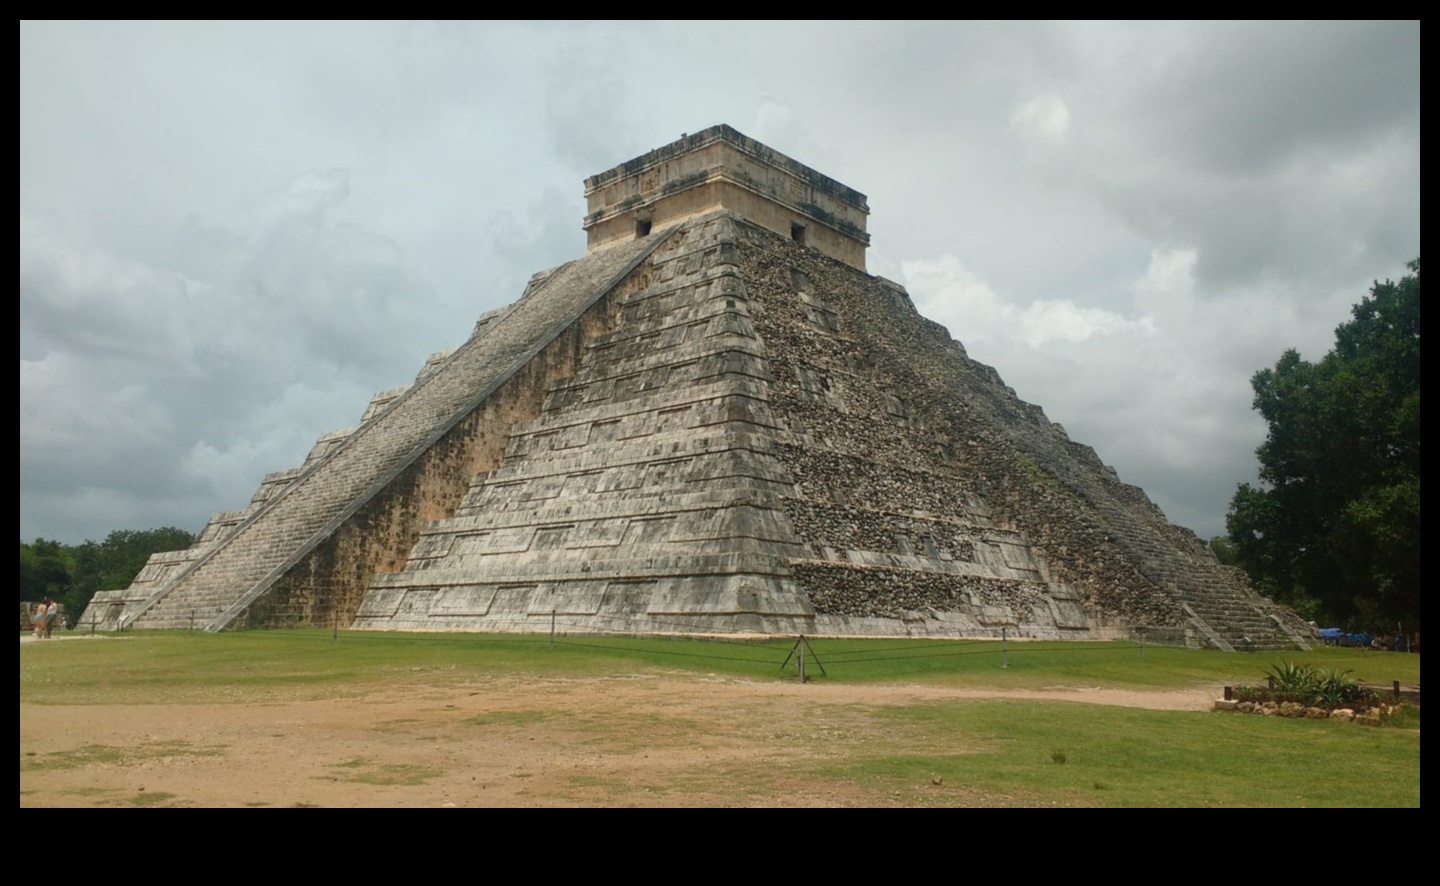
(641, 740)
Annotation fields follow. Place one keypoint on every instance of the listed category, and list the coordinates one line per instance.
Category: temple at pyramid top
(720, 168)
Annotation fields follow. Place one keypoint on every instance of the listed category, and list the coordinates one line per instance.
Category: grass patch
(403, 724)
(1407, 716)
(102, 755)
(1128, 757)
(628, 732)
(358, 770)
(397, 774)
(1047, 664)
(506, 718)
(152, 798)
(176, 667)
(598, 782)
(88, 792)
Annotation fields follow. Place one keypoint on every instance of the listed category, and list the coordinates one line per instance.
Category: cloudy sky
(232, 235)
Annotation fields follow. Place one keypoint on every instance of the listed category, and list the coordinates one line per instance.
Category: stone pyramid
(714, 422)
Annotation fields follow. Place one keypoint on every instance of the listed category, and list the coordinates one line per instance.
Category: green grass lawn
(953, 752)
(147, 666)
(1062, 753)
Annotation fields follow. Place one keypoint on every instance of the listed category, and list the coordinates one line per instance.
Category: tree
(73, 573)
(45, 569)
(1336, 520)
(114, 562)
(1224, 550)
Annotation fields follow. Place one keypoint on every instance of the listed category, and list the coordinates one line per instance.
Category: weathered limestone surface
(771, 440)
(723, 426)
(647, 494)
(906, 451)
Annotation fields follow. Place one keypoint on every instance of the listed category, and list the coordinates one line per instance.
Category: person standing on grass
(52, 609)
(37, 619)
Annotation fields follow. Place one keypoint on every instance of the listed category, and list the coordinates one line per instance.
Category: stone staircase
(1222, 615)
(1218, 613)
(644, 497)
(106, 608)
(218, 587)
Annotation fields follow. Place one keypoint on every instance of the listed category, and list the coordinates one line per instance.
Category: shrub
(1292, 678)
(1314, 687)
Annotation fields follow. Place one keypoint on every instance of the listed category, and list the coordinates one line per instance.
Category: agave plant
(1334, 687)
(1292, 677)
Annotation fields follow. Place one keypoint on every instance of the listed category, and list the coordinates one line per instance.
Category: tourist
(52, 609)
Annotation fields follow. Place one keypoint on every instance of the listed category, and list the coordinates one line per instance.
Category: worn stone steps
(260, 550)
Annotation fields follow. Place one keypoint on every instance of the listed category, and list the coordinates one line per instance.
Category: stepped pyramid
(714, 422)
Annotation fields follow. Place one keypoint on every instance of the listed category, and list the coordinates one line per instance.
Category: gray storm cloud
(232, 234)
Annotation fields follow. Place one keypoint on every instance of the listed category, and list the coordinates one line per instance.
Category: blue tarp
(1341, 638)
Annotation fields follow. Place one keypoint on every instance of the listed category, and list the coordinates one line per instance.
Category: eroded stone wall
(902, 446)
(327, 585)
(732, 459)
(304, 517)
(643, 498)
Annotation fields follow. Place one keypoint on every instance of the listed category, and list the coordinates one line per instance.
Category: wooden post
(1004, 649)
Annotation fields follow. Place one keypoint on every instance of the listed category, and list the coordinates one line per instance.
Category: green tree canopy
(1335, 522)
(73, 573)
(45, 568)
(114, 562)
(1224, 550)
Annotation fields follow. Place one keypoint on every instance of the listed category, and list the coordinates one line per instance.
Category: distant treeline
(73, 573)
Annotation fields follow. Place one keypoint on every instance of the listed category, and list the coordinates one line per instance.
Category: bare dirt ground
(640, 740)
